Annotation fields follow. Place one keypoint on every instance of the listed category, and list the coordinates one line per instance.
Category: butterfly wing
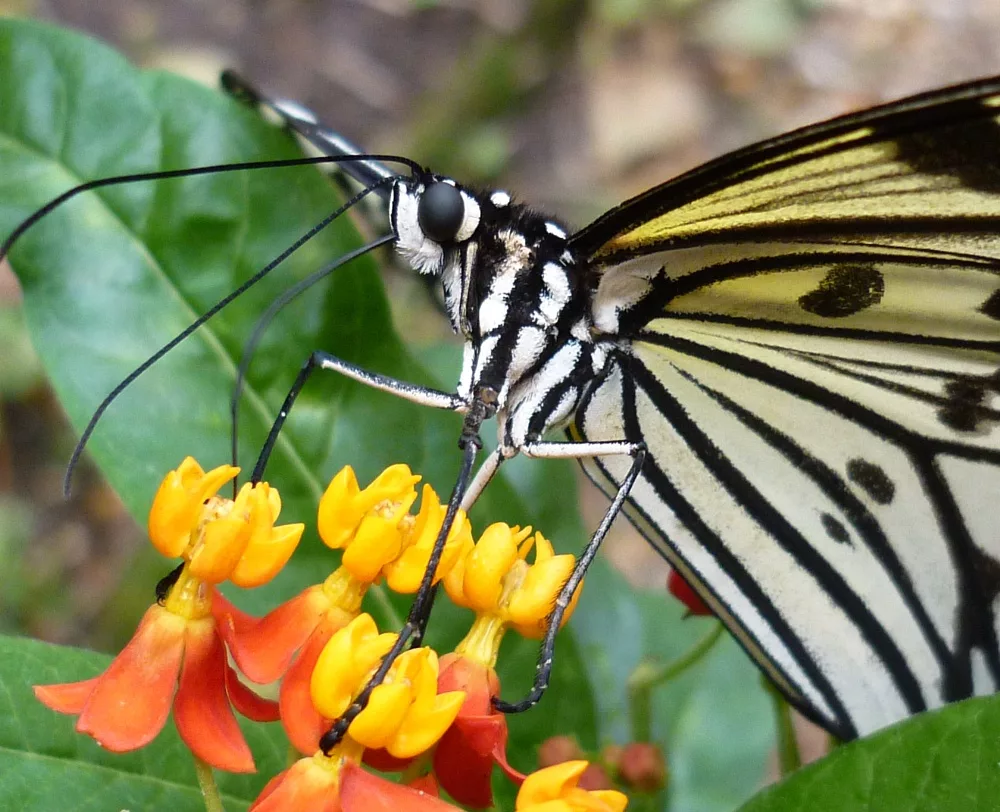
(806, 335)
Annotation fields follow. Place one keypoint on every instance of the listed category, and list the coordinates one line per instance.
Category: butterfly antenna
(264, 321)
(156, 356)
(53, 204)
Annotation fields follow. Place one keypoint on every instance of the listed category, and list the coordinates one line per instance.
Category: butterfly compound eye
(441, 211)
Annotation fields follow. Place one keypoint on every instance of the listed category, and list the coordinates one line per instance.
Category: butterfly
(783, 366)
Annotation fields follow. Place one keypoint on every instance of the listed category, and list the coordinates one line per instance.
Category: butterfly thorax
(513, 289)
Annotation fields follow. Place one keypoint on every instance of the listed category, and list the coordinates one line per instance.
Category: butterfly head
(432, 217)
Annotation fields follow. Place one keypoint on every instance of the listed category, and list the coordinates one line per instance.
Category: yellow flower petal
(344, 504)
(531, 602)
(378, 540)
(404, 574)
(263, 558)
(376, 725)
(338, 515)
(345, 662)
(486, 565)
(178, 503)
(393, 484)
(424, 726)
(554, 789)
(217, 551)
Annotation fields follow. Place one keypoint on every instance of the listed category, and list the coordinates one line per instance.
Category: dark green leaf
(944, 761)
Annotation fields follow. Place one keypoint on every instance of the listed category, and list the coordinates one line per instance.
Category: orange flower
(337, 784)
(286, 643)
(127, 706)
(466, 753)
(221, 538)
(418, 536)
(176, 659)
(406, 714)
(494, 578)
(378, 536)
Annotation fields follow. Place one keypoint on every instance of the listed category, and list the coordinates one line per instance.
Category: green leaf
(947, 761)
(46, 766)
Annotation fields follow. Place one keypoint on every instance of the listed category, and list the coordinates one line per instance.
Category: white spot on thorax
(516, 258)
(527, 396)
(500, 199)
(556, 294)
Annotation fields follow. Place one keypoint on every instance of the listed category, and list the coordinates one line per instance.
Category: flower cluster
(430, 717)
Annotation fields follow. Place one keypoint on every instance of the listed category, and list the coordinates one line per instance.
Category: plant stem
(789, 758)
(209, 789)
(648, 675)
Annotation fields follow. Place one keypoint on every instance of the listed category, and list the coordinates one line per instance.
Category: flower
(378, 537)
(176, 659)
(336, 783)
(221, 538)
(494, 578)
(642, 766)
(418, 536)
(405, 715)
(286, 643)
(466, 753)
(682, 590)
(172, 661)
(344, 504)
(554, 789)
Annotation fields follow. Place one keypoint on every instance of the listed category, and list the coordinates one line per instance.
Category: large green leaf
(944, 761)
(114, 274)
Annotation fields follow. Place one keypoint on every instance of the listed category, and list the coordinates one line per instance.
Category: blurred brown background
(572, 105)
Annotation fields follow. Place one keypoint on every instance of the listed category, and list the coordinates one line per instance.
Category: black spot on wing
(835, 529)
(872, 480)
(844, 291)
(966, 409)
(991, 307)
(965, 150)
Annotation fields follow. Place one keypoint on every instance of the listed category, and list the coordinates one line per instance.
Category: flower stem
(209, 789)
(789, 758)
(648, 675)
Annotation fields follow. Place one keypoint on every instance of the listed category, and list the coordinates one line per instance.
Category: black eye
(441, 211)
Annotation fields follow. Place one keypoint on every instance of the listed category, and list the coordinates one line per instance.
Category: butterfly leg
(421, 395)
(574, 451)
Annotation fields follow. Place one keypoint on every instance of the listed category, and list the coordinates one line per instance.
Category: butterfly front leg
(421, 395)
